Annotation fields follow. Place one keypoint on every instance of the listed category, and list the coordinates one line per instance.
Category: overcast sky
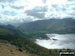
(31, 10)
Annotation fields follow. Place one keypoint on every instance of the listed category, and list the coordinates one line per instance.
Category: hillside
(66, 25)
(39, 28)
(11, 38)
(15, 37)
(10, 50)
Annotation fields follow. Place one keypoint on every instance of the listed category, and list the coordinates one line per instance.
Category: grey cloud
(73, 8)
(40, 9)
(38, 12)
(72, 14)
(66, 9)
(58, 8)
(35, 14)
(15, 7)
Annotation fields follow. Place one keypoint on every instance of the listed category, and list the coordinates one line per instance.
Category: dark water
(58, 41)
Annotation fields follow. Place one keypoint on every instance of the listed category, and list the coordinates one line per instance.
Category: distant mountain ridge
(66, 25)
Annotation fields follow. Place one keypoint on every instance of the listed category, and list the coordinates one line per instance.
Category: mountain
(9, 29)
(66, 25)
(10, 34)
(12, 38)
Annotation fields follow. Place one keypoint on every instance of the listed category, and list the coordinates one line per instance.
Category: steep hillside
(10, 50)
(66, 25)
(39, 28)
(13, 36)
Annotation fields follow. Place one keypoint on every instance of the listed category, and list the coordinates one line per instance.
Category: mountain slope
(12, 35)
(66, 25)
(10, 50)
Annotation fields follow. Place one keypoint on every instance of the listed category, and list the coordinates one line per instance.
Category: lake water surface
(58, 41)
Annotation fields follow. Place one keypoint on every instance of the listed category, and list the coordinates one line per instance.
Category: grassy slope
(9, 50)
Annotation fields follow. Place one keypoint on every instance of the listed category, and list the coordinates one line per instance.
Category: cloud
(31, 10)
(37, 12)
(70, 0)
(10, 1)
(16, 7)
(44, 1)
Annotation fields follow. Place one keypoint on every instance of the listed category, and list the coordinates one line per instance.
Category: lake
(58, 41)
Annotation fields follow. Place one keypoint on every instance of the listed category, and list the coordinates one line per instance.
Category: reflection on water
(58, 41)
